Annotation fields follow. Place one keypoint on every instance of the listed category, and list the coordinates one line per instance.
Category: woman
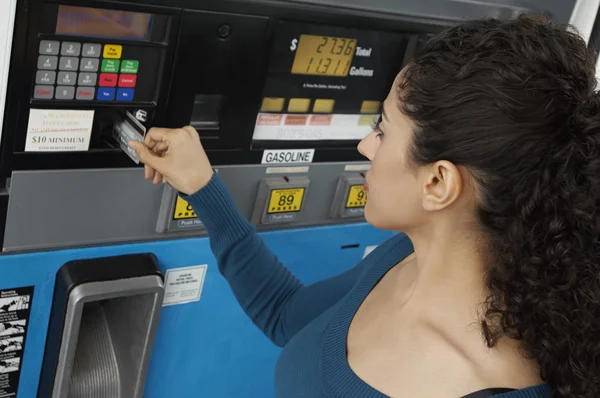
(486, 157)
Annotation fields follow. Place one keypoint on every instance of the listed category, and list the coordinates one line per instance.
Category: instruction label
(15, 307)
(279, 156)
(58, 130)
(183, 285)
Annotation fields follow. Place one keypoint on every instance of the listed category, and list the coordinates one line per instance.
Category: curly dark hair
(514, 102)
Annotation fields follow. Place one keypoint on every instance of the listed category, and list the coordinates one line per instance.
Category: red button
(108, 79)
(127, 80)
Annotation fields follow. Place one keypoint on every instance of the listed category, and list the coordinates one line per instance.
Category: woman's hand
(176, 157)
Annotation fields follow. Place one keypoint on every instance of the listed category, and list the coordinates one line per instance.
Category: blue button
(105, 94)
(125, 94)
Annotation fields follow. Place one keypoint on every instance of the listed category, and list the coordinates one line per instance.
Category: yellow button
(272, 104)
(183, 210)
(286, 200)
(299, 105)
(370, 107)
(112, 50)
(357, 197)
(323, 106)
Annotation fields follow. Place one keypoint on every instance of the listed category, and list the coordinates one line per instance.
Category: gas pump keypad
(72, 70)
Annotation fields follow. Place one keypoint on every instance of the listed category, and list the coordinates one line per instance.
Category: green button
(129, 66)
(110, 65)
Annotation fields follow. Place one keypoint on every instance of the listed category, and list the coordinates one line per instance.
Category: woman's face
(394, 186)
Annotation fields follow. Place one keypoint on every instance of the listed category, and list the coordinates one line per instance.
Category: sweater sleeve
(276, 301)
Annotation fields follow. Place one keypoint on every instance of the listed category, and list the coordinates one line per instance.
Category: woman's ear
(442, 187)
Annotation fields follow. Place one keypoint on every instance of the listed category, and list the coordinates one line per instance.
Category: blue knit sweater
(309, 322)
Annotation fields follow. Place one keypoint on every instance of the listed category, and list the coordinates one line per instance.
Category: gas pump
(108, 287)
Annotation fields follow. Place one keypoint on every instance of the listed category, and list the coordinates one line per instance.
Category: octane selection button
(127, 80)
(87, 79)
(43, 92)
(89, 64)
(45, 77)
(108, 79)
(85, 93)
(64, 92)
(47, 62)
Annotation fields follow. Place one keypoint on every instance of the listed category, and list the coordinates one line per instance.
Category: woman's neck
(449, 262)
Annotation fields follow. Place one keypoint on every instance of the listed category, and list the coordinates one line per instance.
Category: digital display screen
(97, 22)
(323, 55)
(325, 84)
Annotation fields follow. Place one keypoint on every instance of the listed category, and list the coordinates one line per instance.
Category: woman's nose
(365, 147)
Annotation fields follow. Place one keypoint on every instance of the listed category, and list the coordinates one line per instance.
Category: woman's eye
(376, 126)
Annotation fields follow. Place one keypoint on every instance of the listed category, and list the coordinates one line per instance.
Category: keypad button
(129, 66)
(45, 77)
(125, 94)
(70, 48)
(87, 79)
(47, 62)
(91, 50)
(105, 94)
(108, 79)
(65, 92)
(49, 47)
(112, 51)
(43, 92)
(127, 80)
(89, 64)
(110, 65)
(85, 93)
(68, 63)
(67, 78)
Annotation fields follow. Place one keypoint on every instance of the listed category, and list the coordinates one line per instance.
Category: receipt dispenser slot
(104, 317)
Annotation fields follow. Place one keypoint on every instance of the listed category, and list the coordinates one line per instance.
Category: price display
(324, 55)
(357, 197)
(183, 210)
(285, 200)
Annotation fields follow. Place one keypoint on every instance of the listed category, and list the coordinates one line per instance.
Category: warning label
(14, 319)
(183, 210)
(184, 285)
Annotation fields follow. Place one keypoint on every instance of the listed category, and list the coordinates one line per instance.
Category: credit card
(135, 123)
(127, 129)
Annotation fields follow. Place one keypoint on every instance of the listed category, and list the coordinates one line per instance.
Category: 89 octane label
(285, 200)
